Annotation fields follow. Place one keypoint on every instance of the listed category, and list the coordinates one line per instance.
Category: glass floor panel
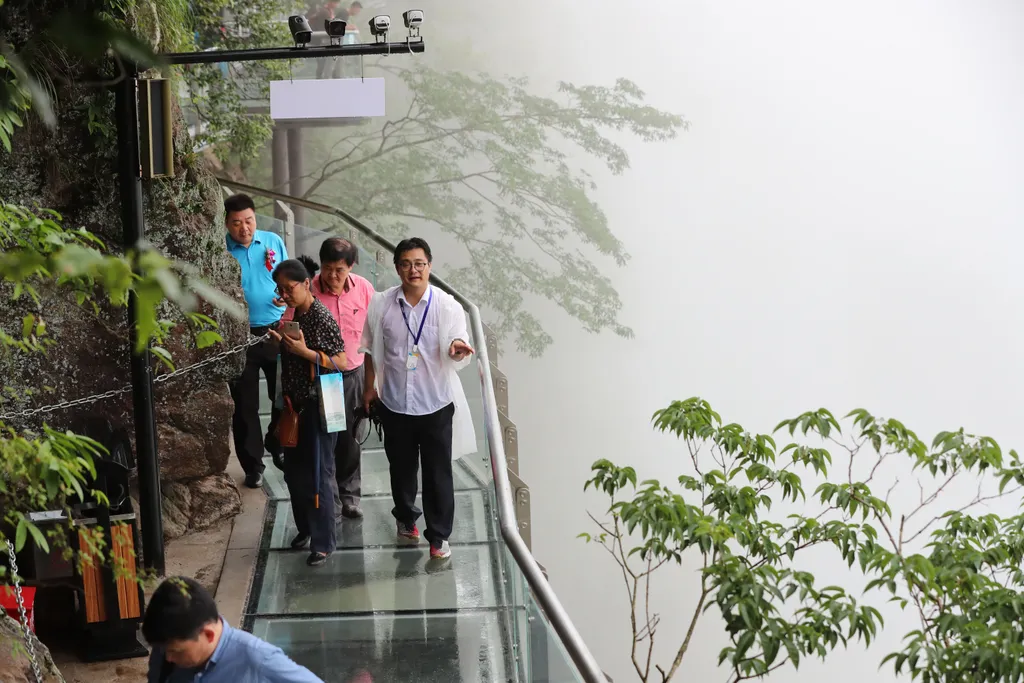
(377, 527)
(380, 611)
(376, 580)
(434, 648)
(376, 477)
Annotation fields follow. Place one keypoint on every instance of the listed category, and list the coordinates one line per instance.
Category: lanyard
(416, 336)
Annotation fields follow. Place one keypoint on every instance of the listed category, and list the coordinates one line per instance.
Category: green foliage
(49, 469)
(497, 167)
(73, 38)
(14, 102)
(42, 472)
(220, 102)
(964, 584)
(36, 248)
(44, 469)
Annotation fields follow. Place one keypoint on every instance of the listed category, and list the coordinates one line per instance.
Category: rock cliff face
(15, 665)
(72, 170)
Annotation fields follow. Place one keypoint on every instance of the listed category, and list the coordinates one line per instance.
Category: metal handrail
(567, 633)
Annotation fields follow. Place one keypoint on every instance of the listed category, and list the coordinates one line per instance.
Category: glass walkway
(382, 610)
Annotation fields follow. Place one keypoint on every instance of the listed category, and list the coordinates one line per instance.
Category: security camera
(335, 29)
(302, 34)
(413, 20)
(379, 27)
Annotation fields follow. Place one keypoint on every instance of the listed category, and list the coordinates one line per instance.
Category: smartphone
(290, 328)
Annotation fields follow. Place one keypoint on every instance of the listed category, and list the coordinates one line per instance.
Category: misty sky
(839, 227)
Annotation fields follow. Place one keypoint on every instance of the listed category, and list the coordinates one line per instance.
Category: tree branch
(704, 591)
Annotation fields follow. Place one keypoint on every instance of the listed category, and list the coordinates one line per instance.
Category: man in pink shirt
(347, 296)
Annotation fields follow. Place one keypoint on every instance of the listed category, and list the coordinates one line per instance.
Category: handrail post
(289, 228)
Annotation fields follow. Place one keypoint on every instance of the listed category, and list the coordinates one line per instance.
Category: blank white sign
(333, 98)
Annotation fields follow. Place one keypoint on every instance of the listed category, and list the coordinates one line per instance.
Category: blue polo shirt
(257, 280)
(240, 657)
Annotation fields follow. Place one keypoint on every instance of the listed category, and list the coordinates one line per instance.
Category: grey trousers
(347, 452)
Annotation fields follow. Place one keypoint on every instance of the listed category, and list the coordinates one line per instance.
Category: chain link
(88, 400)
(211, 360)
(29, 637)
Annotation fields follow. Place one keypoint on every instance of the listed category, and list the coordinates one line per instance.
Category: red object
(270, 260)
(9, 603)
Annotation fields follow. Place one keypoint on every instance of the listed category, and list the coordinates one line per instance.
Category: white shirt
(426, 389)
(451, 321)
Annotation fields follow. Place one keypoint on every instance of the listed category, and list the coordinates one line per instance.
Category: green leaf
(20, 534)
(217, 298)
(207, 338)
(38, 537)
(164, 356)
(38, 95)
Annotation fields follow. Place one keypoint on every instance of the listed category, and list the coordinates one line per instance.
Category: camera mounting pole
(129, 171)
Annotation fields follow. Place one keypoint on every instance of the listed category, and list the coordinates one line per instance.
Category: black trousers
(408, 441)
(348, 453)
(309, 473)
(245, 391)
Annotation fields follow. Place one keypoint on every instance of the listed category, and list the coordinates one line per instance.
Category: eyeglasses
(287, 290)
(412, 265)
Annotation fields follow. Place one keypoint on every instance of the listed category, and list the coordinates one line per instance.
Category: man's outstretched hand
(459, 350)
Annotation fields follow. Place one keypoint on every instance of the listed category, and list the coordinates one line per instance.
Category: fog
(839, 227)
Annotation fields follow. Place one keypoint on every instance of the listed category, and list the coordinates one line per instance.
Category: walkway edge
(243, 550)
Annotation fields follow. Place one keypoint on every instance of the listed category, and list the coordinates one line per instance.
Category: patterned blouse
(322, 334)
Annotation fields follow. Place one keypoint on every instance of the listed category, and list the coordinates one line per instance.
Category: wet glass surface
(376, 580)
(376, 477)
(435, 648)
(377, 527)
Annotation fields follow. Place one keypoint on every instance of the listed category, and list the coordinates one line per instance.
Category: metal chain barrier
(88, 400)
(29, 638)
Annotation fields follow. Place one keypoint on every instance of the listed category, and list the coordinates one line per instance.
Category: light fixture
(302, 34)
(379, 27)
(335, 30)
(413, 20)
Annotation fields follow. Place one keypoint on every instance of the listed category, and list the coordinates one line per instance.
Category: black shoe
(317, 559)
(300, 542)
(351, 512)
(278, 459)
(254, 480)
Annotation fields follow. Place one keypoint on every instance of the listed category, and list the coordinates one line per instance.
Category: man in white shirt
(415, 341)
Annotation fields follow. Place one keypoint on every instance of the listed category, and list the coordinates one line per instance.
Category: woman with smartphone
(311, 344)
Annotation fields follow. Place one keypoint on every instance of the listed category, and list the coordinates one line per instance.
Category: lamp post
(133, 231)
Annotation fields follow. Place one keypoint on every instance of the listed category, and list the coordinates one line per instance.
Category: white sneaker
(440, 551)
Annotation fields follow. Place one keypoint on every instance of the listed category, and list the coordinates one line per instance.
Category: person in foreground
(415, 341)
(191, 642)
(309, 467)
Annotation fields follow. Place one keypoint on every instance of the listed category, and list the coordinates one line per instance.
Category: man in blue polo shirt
(192, 643)
(258, 253)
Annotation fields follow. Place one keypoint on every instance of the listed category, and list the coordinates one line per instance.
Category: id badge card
(413, 360)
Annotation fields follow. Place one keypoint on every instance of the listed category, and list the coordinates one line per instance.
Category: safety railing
(510, 492)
